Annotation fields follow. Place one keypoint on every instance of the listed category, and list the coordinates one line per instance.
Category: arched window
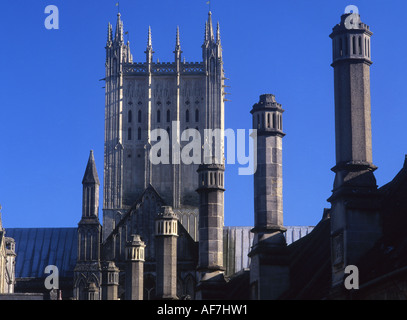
(139, 133)
(168, 115)
(129, 134)
(139, 116)
(158, 116)
(274, 121)
(268, 120)
(187, 116)
(130, 116)
(196, 115)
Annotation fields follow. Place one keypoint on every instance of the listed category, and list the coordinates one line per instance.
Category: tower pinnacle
(109, 35)
(177, 42)
(119, 29)
(218, 34)
(91, 175)
(177, 50)
(149, 41)
(209, 36)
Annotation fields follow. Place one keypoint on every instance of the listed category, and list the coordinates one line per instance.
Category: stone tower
(355, 222)
(151, 102)
(269, 274)
(87, 273)
(166, 233)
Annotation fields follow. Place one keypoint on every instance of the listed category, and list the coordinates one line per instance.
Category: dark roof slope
(310, 264)
(37, 248)
(390, 252)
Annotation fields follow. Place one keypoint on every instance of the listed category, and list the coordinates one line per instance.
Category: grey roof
(37, 248)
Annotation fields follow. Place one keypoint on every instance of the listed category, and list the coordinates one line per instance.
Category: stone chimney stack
(355, 220)
(135, 268)
(269, 272)
(166, 254)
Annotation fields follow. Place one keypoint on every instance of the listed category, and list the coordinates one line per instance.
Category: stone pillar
(269, 271)
(135, 269)
(211, 222)
(166, 254)
(110, 281)
(355, 219)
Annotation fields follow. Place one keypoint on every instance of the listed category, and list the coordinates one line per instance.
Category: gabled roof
(150, 190)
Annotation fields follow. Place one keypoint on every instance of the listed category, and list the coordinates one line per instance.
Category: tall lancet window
(158, 116)
(139, 116)
(197, 115)
(129, 116)
(129, 134)
(168, 115)
(187, 116)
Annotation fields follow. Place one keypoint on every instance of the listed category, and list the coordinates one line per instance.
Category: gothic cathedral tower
(170, 97)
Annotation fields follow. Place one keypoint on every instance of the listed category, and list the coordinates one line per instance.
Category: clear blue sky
(52, 102)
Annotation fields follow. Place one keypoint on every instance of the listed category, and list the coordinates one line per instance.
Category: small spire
(129, 55)
(119, 29)
(206, 31)
(177, 41)
(149, 42)
(210, 28)
(109, 34)
(91, 175)
(177, 47)
(218, 34)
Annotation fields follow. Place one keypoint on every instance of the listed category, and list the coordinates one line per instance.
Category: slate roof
(38, 247)
(310, 264)
(390, 252)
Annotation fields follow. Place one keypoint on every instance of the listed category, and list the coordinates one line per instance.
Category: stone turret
(135, 268)
(87, 271)
(355, 220)
(110, 281)
(166, 233)
(269, 273)
(211, 222)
